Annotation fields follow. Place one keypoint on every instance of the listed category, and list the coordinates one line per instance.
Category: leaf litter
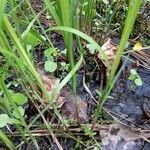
(73, 108)
(76, 109)
(110, 50)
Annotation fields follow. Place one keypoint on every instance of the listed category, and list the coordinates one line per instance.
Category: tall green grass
(74, 14)
(63, 14)
(87, 11)
(17, 57)
(131, 17)
(128, 26)
(70, 16)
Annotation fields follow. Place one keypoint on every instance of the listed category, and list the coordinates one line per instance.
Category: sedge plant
(73, 14)
(13, 50)
(17, 58)
(63, 14)
(130, 20)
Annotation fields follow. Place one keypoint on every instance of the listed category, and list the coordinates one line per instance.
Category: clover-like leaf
(50, 66)
(50, 51)
(21, 111)
(19, 98)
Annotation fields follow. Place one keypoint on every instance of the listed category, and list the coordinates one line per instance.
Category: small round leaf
(50, 66)
(19, 98)
(21, 110)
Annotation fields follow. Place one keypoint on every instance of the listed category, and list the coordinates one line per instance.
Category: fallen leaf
(110, 50)
(65, 99)
(70, 110)
(50, 82)
(82, 110)
(137, 46)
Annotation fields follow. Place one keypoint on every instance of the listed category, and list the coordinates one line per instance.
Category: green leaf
(91, 48)
(6, 140)
(2, 11)
(106, 2)
(138, 82)
(50, 58)
(85, 37)
(19, 98)
(48, 52)
(131, 77)
(133, 72)
(30, 39)
(50, 66)
(21, 110)
(3, 120)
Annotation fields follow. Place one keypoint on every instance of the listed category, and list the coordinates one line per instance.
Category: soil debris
(120, 137)
(71, 107)
(132, 103)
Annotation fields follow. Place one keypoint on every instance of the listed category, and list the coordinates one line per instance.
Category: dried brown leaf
(82, 110)
(72, 110)
(110, 50)
(65, 99)
(50, 82)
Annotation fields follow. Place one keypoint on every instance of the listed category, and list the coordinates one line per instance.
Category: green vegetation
(83, 26)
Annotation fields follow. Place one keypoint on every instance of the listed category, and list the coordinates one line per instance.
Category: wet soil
(131, 107)
(131, 104)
